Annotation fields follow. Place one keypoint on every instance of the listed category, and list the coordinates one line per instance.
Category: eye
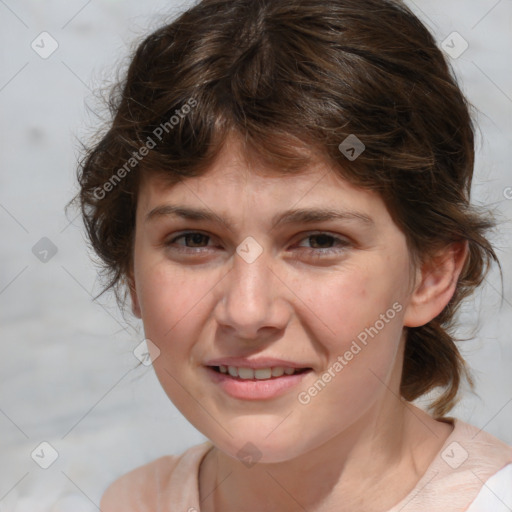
(324, 243)
(321, 244)
(193, 240)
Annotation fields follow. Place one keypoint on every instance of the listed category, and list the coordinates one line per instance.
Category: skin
(203, 301)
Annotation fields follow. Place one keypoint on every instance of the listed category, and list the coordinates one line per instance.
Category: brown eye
(322, 240)
(323, 245)
(192, 239)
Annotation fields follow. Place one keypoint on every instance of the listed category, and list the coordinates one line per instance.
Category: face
(302, 307)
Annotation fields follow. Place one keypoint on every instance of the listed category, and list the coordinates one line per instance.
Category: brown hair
(288, 77)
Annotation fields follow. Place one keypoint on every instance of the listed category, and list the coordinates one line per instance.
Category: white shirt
(496, 494)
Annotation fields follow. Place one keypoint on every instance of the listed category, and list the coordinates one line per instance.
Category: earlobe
(436, 284)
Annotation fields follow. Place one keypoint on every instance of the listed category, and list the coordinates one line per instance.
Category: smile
(256, 383)
(258, 373)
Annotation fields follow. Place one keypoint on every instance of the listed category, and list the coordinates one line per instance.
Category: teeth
(277, 371)
(263, 373)
(246, 373)
(259, 373)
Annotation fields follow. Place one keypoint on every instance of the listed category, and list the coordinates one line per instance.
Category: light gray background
(68, 374)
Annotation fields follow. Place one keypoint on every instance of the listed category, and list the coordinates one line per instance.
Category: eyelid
(336, 236)
(175, 236)
(340, 240)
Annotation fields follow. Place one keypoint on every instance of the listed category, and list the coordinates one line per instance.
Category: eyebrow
(297, 216)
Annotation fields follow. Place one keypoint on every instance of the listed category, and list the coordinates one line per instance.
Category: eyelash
(316, 253)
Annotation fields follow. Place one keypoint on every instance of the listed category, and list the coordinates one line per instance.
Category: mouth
(264, 383)
(245, 373)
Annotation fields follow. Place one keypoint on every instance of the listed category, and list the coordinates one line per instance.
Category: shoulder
(469, 461)
(481, 448)
(136, 490)
(474, 460)
(162, 483)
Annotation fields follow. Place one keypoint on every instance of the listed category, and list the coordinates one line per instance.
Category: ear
(133, 295)
(436, 282)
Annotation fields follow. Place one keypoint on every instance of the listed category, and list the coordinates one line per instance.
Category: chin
(253, 447)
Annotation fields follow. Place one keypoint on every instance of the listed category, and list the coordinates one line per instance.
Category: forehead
(235, 177)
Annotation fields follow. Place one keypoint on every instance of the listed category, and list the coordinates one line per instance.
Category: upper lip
(262, 362)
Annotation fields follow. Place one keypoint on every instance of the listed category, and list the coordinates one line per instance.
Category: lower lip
(255, 389)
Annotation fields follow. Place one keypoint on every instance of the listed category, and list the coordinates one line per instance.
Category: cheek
(359, 318)
(173, 315)
(170, 301)
(347, 304)
(363, 314)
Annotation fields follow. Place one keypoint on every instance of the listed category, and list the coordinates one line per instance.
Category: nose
(253, 303)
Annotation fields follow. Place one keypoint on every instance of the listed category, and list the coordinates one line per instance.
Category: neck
(376, 461)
